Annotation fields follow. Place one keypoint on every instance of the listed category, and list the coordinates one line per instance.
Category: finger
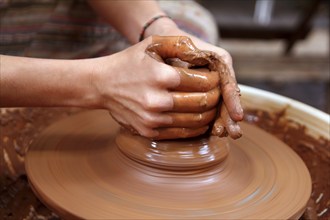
(147, 118)
(170, 46)
(176, 62)
(195, 102)
(219, 128)
(192, 120)
(163, 76)
(176, 133)
(230, 91)
(233, 129)
(133, 126)
(182, 47)
(231, 97)
(196, 80)
(224, 125)
(156, 101)
(129, 120)
(228, 84)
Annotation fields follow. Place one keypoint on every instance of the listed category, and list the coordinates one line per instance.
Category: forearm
(128, 17)
(45, 82)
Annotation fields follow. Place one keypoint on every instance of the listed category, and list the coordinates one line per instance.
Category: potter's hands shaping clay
(181, 52)
(162, 101)
(141, 93)
(141, 97)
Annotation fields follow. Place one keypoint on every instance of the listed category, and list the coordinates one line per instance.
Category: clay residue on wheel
(77, 168)
(20, 126)
(18, 129)
(315, 151)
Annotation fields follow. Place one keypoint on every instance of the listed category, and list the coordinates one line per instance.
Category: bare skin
(182, 48)
(134, 87)
(231, 109)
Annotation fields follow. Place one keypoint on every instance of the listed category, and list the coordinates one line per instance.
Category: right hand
(183, 49)
(140, 93)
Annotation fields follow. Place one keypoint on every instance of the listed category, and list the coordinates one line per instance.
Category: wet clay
(78, 170)
(92, 169)
(184, 155)
(211, 87)
(87, 167)
(315, 151)
(20, 127)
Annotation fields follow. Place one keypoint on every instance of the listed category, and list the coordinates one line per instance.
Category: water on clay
(78, 170)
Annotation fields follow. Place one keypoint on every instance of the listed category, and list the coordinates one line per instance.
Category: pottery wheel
(81, 167)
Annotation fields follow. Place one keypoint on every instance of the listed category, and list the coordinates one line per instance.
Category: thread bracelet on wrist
(152, 20)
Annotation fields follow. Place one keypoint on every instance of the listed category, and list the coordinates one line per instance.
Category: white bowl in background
(316, 121)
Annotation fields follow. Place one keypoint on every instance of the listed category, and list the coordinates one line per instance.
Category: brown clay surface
(315, 152)
(77, 169)
(212, 86)
(20, 127)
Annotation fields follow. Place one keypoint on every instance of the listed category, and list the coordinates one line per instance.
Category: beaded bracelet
(152, 20)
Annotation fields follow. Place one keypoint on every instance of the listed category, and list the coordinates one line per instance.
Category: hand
(154, 99)
(231, 111)
(141, 12)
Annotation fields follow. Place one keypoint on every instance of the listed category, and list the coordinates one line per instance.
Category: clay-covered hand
(145, 95)
(195, 103)
(181, 49)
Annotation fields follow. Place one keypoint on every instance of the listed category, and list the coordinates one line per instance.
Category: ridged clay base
(77, 169)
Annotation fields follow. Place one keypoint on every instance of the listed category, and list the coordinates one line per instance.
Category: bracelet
(152, 20)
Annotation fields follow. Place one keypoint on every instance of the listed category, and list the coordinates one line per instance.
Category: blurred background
(279, 46)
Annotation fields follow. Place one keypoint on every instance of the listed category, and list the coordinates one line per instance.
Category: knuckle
(149, 121)
(150, 102)
(167, 77)
(157, 102)
(147, 133)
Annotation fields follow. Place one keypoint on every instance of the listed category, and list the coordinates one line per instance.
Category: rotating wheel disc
(76, 168)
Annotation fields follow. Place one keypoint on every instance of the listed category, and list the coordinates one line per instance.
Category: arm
(128, 16)
(46, 82)
(125, 83)
(109, 82)
(137, 92)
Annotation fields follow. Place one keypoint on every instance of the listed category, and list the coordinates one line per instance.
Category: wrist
(71, 83)
(88, 78)
(167, 27)
(163, 27)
